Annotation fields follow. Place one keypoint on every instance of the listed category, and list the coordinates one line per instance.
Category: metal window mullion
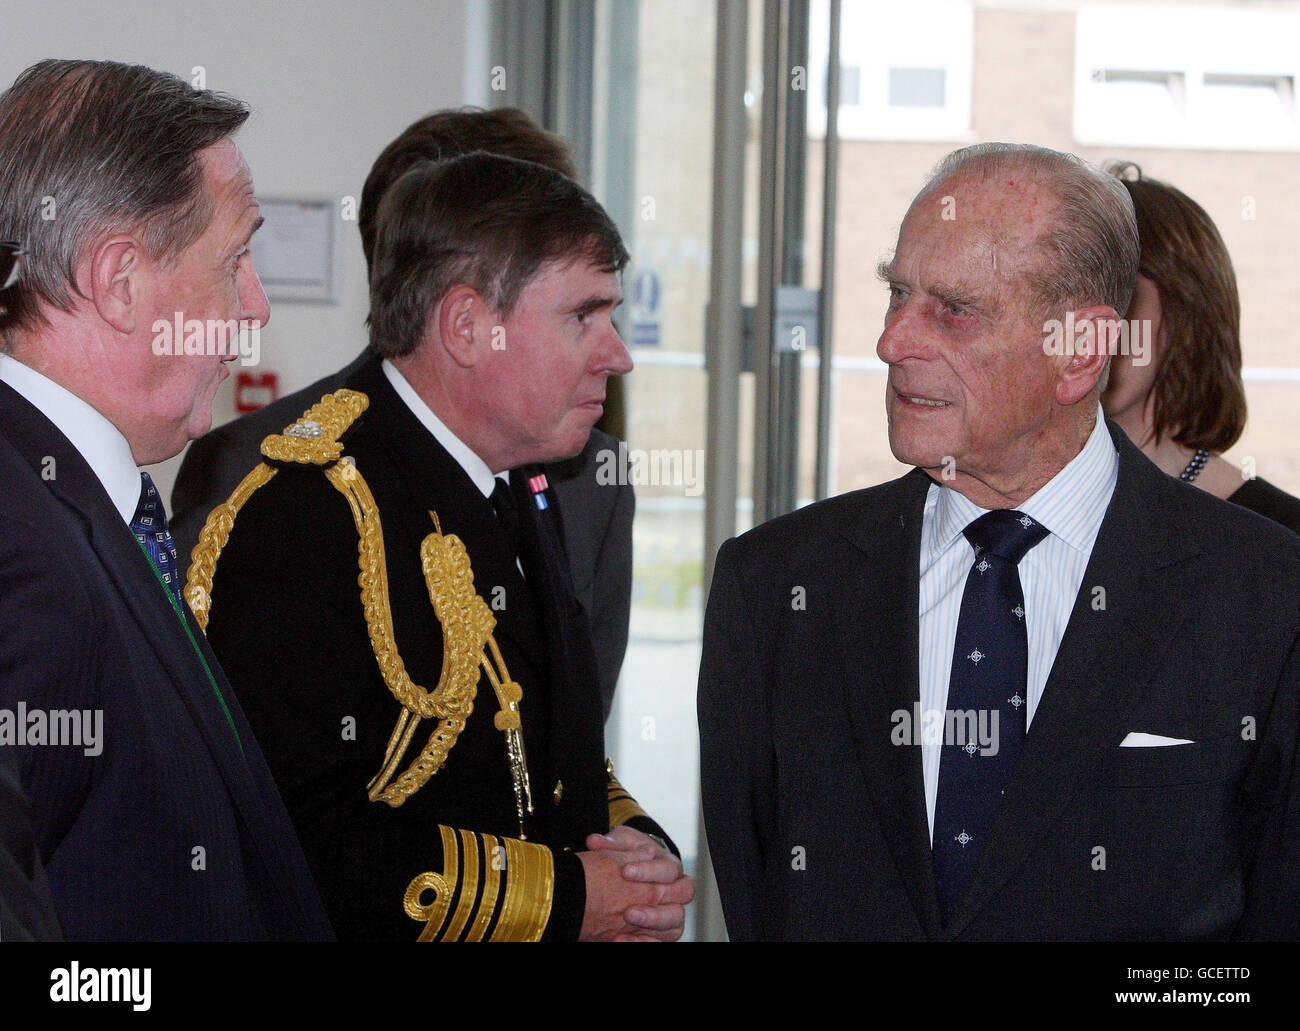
(516, 26)
(771, 200)
(571, 35)
(830, 207)
(723, 344)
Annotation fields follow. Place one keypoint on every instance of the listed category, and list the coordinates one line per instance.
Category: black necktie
(984, 724)
(503, 502)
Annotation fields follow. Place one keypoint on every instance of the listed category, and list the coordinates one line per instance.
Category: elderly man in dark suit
(155, 815)
(1035, 688)
(598, 517)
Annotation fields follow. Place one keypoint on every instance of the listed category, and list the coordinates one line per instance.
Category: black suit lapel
(1104, 662)
(574, 683)
(145, 598)
(875, 615)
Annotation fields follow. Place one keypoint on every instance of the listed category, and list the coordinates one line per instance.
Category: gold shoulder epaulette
(314, 439)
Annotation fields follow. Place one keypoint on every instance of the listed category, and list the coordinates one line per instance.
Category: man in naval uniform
(598, 516)
(393, 604)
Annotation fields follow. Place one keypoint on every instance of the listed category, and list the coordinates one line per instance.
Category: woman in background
(1187, 404)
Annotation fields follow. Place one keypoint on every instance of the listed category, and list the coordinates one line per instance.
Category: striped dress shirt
(1071, 505)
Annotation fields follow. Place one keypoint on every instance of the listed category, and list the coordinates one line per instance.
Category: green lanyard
(171, 598)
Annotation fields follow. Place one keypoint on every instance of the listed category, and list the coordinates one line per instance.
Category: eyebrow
(961, 296)
(596, 303)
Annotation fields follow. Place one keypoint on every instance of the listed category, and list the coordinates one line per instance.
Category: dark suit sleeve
(735, 747)
(612, 601)
(26, 909)
(288, 626)
(51, 631)
(1272, 911)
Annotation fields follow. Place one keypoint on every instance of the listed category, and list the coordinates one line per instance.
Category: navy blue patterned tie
(986, 699)
(150, 529)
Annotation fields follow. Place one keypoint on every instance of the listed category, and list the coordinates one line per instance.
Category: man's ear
(462, 321)
(116, 271)
(1094, 340)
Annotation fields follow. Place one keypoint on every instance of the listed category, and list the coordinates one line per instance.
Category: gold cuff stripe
(493, 862)
(443, 885)
(468, 886)
(622, 806)
(530, 890)
(623, 810)
(529, 874)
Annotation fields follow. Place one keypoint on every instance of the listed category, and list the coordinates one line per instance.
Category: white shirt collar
(1071, 504)
(99, 442)
(475, 468)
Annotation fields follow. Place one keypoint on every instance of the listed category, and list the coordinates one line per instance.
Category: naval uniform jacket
(597, 523)
(288, 622)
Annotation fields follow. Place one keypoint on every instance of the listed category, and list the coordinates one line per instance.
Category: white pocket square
(1135, 740)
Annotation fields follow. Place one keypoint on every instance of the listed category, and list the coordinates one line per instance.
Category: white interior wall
(330, 82)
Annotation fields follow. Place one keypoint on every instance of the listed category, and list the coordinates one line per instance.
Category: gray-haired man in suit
(1035, 688)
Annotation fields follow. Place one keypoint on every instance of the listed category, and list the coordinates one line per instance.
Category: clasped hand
(636, 889)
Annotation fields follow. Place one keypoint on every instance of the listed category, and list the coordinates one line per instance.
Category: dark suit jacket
(88, 626)
(598, 517)
(26, 909)
(288, 623)
(817, 822)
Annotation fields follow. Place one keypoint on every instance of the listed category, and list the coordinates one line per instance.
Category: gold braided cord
(467, 623)
(443, 885)
(212, 540)
(530, 889)
(509, 692)
(465, 618)
(313, 440)
(461, 614)
(373, 580)
(398, 742)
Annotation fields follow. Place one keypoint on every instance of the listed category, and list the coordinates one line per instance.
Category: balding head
(1001, 240)
(1089, 246)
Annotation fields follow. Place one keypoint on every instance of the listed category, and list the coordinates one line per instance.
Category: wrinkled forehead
(224, 167)
(992, 222)
(1010, 206)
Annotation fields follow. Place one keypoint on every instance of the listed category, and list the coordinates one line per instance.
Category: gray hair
(1093, 243)
(90, 148)
(484, 220)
